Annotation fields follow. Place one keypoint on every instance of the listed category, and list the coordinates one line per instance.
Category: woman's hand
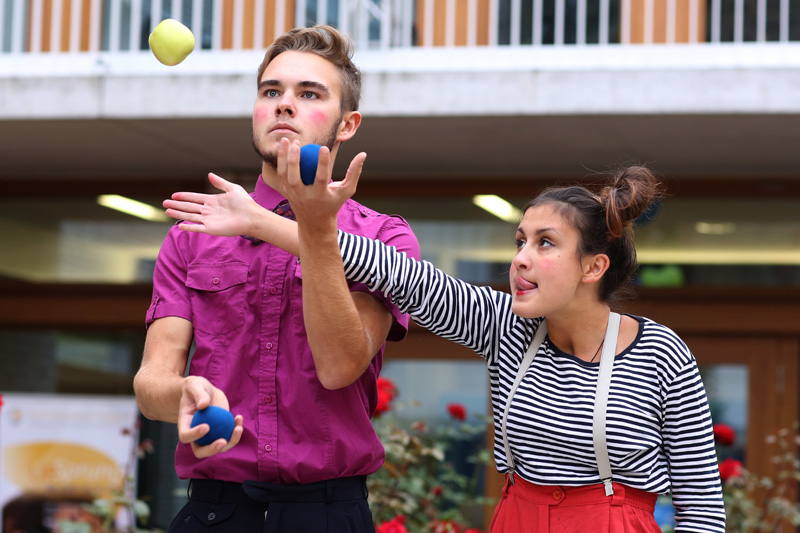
(228, 214)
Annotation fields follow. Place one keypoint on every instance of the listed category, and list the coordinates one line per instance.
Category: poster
(59, 452)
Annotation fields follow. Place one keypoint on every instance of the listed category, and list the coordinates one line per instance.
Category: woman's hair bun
(628, 193)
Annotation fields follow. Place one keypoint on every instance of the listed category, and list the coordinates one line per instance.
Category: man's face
(299, 97)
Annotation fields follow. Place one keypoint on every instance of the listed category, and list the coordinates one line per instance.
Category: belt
(257, 492)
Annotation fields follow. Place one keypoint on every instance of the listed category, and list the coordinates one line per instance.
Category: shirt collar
(266, 196)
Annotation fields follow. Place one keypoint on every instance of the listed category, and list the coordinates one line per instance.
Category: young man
(300, 380)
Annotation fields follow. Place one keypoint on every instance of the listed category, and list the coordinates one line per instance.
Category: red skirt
(529, 508)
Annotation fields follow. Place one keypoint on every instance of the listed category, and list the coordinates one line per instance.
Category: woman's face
(546, 270)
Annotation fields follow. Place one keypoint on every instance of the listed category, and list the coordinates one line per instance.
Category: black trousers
(332, 506)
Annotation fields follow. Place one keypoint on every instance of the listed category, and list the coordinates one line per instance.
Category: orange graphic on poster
(60, 468)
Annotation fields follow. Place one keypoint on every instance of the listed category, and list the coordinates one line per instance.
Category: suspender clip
(608, 487)
(511, 476)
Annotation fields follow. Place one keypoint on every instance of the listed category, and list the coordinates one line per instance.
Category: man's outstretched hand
(316, 205)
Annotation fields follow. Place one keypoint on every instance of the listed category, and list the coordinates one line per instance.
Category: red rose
(457, 411)
(387, 386)
(730, 468)
(437, 490)
(386, 393)
(384, 403)
(394, 525)
(724, 435)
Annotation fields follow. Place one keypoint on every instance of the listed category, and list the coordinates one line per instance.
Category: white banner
(58, 452)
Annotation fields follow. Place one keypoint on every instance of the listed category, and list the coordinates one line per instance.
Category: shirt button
(557, 494)
(268, 448)
(211, 516)
(268, 399)
(268, 346)
(273, 290)
(215, 281)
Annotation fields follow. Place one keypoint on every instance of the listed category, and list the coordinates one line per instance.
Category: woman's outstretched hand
(228, 213)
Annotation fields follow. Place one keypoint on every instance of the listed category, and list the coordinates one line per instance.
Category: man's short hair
(328, 43)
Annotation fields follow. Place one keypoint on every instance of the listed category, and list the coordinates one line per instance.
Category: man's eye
(309, 95)
(271, 93)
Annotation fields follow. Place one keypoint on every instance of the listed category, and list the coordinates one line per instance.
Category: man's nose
(285, 106)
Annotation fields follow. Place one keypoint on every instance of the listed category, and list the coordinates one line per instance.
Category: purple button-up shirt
(244, 300)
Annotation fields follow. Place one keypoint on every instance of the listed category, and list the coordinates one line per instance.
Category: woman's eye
(545, 242)
(520, 243)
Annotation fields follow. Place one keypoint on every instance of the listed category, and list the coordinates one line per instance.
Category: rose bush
(761, 503)
(419, 489)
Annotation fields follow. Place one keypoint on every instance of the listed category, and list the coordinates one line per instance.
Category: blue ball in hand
(309, 158)
(218, 419)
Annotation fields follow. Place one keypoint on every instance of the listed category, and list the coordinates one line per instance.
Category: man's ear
(594, 267)
(348, 126)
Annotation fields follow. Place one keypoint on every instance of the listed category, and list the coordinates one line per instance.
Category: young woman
(595, 413)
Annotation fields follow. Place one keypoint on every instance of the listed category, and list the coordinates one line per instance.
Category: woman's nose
(520, 260)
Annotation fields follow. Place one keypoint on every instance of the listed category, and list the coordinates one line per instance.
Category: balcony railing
(47, 26)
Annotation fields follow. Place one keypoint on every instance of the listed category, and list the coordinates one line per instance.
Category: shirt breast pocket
(218, 296)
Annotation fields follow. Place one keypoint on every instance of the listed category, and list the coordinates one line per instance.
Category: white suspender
(600, 402)
(523, 367)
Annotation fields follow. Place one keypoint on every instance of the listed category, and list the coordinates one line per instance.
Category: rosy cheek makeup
(260, 113)
(318, 117)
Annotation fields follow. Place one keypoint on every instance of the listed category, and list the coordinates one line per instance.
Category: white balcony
(122, 25)
(468, 88)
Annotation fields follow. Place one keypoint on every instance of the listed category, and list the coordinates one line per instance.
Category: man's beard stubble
(271, 158)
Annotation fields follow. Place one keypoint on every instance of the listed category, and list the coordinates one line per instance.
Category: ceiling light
(498, 207)
(707, 256)
(715, 228)
(132, 207)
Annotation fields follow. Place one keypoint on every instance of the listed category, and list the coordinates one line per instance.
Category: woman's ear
(594, 267)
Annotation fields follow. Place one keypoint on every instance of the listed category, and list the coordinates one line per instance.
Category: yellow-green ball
(171, 42)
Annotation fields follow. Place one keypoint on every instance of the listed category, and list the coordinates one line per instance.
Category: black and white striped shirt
(659, 429)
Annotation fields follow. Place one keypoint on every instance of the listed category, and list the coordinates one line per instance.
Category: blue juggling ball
(218, 419)
(309, 157)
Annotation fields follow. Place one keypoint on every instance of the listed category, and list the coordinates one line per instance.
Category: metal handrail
(57, 26)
